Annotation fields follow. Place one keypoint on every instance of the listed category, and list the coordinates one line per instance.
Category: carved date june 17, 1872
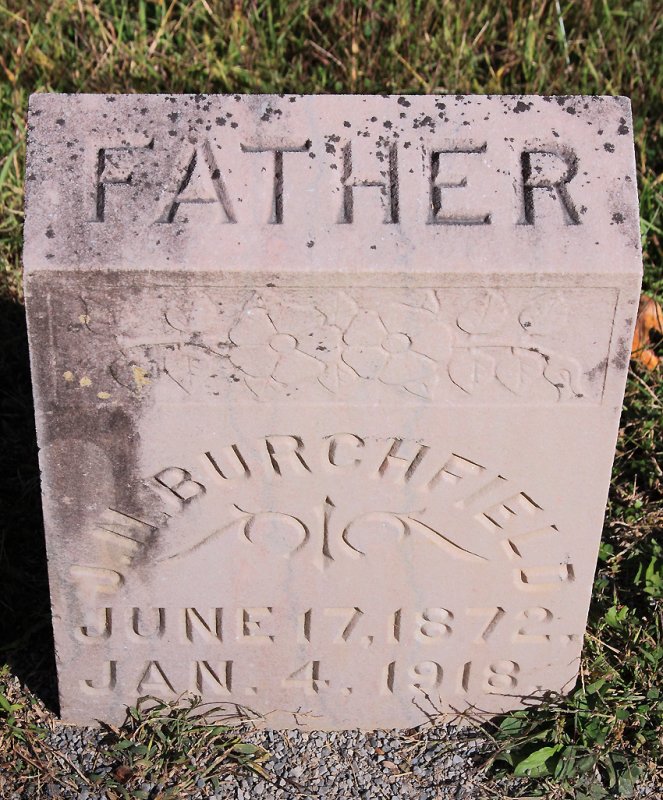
(345, 625)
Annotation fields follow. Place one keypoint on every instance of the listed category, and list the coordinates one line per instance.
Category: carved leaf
(518, 368)
(254, 327)
(420, 389)
(431, 303)
(97, 317)
(565, 375)
(340, 310)
(468, 368)
(295, 319)
(262, 388)
(365, 330)
(544, 315)
(650, 320)
(184, 320)
(297, 367)
(258, 362)
(329, 378)
(180, 364)
(365, 361)
(407, 367)
(484, 314)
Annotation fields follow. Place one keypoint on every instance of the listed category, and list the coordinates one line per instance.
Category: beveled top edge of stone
(201, 182)
(238, 96)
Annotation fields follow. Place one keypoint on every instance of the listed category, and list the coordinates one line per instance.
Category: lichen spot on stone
(68, 375)
(103, 395)
(84, 319)
(140, 376)
(85, 381)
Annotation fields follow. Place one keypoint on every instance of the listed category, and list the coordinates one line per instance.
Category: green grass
(607, 734)
(175, 746)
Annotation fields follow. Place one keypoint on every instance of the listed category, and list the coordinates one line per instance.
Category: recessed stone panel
(327, 394)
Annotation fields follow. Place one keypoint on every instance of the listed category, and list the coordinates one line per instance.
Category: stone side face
(327, 393)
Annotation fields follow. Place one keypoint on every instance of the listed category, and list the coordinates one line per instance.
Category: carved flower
(288, 345)
(400, 346)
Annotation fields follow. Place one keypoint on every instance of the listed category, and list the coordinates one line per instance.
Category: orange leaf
(650, 319)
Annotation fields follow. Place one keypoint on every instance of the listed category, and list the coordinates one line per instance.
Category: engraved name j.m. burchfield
(256, 499)
(453, 345)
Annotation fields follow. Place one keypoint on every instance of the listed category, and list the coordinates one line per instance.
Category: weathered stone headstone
(327, 393)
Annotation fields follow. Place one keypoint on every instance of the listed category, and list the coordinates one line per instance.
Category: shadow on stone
(26, 638)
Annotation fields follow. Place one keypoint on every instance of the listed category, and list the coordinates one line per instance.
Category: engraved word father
(201, 180)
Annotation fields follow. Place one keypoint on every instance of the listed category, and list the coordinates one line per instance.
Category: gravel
(431, 763)
(438, 763)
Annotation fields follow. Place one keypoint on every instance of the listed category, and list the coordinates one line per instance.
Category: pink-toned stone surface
(327, 392)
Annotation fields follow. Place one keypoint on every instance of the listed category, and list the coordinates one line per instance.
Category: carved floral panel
(455, 345)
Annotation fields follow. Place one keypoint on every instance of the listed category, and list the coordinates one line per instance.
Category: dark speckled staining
(157, 160)
(521, 107)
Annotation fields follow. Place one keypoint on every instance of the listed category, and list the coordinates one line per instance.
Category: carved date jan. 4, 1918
(233, 677)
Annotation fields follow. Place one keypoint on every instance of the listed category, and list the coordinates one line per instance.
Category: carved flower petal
(322, 343)
(297, 367)
(295, 319)
(258, 362)
(365, 361)
(365, 329)
(399, 318)
(434, 341)
(254, 327)
(427, 333)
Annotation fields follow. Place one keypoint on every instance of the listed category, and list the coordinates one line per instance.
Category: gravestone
(327, 394)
